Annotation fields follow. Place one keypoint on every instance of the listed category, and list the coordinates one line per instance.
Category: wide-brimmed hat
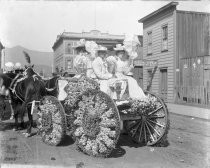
(9, 66)
(80, 44)
(101, 48)
(17, 65)
(119, 47)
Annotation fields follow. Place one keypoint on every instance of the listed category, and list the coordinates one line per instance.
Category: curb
(31, 166)
(191, 111)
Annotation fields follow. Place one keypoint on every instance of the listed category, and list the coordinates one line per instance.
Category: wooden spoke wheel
(151, 127)
(51, 120)
(97, 123)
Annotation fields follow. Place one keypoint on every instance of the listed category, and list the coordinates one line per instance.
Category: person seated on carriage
(123, 66)
(100, 69)
(85, 56)
(80, 59)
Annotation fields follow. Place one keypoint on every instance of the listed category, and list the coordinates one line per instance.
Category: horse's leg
(22, 114)
(30, 117)
(16, 120)
(12, 110)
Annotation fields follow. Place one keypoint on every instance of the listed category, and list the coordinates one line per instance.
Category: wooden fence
(196, 95)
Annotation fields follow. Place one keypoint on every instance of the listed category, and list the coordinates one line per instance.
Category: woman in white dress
(123, 68)
(80, 61)
(100, 69)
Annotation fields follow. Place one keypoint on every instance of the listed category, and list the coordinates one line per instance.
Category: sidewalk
(31, 166)
(189, 111)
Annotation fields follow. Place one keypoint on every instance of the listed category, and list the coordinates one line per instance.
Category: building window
(68, 48)
(69, 64)
(149, 43)
(74, 43)
(165, 38)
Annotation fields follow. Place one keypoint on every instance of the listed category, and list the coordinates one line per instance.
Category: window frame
(149, 42)
(69, 63)
(164, 49)
(71, 47)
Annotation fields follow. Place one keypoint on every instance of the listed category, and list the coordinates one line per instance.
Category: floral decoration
(142, 106)
(51, 121)
(74, 88)
(97, 123)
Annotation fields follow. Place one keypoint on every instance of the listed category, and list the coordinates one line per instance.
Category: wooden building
(138, 67)
(64, 52)
(179, 41)
(1, 55)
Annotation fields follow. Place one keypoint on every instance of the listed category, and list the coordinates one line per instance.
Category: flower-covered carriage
(95, 119)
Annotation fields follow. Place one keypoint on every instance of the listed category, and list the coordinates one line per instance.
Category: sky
(36, 24)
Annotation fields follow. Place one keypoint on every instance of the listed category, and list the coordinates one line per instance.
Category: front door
(163, 83)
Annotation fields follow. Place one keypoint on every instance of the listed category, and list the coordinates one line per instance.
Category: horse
(32, 88)
(7, 81)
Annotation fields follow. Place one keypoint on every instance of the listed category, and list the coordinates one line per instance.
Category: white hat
(119, 47)
(101, 48)
(80, 43)
(91, 46)
(9, 66)
(17, 65)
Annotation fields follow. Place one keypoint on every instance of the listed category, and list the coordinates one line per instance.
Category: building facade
(1, 55)
(138, 67)
(63, 47)
(179, 42)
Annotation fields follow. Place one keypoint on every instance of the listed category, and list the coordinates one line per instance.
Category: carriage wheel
(51, 120)
(97, 123)
(152, 127)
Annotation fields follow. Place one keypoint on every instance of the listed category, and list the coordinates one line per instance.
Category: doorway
(138, 75)
(163, 87)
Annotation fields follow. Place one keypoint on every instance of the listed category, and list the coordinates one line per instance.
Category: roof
(193, 12)
(169, 5)
(94, 34)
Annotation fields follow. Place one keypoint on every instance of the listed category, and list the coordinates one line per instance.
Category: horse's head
(29, 71)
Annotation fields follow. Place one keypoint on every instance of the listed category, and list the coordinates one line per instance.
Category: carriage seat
(118, 89)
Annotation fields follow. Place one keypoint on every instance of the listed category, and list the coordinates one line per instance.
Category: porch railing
(194, 95)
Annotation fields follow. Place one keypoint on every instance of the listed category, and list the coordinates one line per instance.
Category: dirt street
(188, 146)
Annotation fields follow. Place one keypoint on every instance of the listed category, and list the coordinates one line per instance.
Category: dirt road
(189, 146)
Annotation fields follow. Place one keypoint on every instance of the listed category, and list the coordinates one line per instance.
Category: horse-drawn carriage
(96, 119)
(79, 108)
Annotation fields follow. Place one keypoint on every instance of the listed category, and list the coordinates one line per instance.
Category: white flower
(79, 131)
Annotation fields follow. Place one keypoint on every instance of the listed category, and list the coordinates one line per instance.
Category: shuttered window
(149, 43)
(165, 38)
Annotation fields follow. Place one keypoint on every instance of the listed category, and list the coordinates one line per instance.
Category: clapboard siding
(165, 59)
(193, 40)
(193, 32)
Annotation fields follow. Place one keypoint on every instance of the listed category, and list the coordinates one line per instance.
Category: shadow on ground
(67, 141)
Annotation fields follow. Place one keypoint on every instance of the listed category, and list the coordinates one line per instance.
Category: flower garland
(51, 121)
(97, 123)
(142, 106)
(74, 88)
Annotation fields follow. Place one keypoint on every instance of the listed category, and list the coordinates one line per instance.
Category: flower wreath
(97, 123)
(74, 88)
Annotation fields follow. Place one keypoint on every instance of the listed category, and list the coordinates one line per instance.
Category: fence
(196, 95)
